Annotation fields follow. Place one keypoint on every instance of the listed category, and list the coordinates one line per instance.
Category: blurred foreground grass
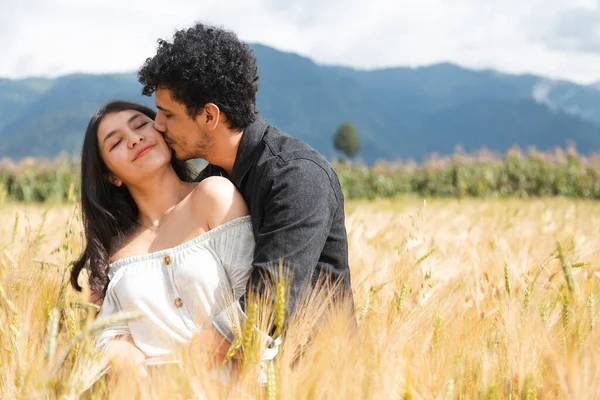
(454, 300)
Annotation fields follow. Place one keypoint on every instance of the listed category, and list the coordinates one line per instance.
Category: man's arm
(298, 214)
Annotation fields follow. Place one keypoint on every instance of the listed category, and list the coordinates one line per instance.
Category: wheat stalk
(51, 335)
(450, 387)
(46, 262)
(14, 322)
(248, 334)
(280, 303)
(71, 193)
(527, 294)
(580, 264)
(40, 232)
(529, 389)
(235, 346)
(401, 297)
(72, 325)
(85, 305)
(408, 387)
(492, 393)
(364, 309)
(507, 279)
(271, 381)
(591, 309)
(15, 227)
(567, 268)
(566, 312)
(425, 256)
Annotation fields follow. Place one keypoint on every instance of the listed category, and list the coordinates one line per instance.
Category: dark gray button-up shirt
(297, 210)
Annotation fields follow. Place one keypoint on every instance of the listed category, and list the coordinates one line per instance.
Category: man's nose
(159, 124)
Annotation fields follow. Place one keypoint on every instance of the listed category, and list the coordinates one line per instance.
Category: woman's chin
(152, 163)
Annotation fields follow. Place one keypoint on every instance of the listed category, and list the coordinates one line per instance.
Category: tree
(346, 140)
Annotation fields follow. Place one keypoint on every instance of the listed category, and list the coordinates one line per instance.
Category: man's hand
(212, 344)
(96, 298)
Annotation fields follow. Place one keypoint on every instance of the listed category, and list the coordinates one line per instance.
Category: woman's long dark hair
(108, 211)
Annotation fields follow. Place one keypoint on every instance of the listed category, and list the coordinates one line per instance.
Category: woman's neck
(157, 195)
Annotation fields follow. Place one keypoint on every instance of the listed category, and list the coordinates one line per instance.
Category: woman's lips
(143, 151)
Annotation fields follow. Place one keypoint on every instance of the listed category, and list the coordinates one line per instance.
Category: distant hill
(399, 112)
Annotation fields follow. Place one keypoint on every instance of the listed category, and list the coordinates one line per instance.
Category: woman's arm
(123, 355)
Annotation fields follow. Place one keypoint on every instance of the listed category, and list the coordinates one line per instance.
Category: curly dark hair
(206, 64)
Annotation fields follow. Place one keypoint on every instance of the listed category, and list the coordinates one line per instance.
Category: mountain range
(399, 112)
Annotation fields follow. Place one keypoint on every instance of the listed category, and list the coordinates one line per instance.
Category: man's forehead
(163, 99)
(163, 93)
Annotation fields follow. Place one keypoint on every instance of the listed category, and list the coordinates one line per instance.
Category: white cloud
(577, 29)
(61, 36)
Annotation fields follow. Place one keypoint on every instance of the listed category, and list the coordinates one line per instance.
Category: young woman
(180, 252)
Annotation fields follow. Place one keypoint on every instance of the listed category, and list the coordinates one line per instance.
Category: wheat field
(470, 299)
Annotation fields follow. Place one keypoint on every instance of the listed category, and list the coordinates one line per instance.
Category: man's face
(185, 135)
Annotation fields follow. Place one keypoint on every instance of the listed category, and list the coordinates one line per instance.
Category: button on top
(178, 302)
(167, 260)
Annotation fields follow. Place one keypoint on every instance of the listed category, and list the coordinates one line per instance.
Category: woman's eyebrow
(109, 135)
(133, 118)
(129, 122)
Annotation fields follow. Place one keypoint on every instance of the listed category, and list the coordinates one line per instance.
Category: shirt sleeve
(235, 250)
(110, 307)
(298, 214)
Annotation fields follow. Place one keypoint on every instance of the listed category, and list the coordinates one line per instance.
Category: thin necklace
(162, 219)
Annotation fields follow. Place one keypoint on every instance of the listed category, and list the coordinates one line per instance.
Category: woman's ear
(113, 179)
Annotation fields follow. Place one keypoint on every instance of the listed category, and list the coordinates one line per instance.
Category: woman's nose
(135, 139)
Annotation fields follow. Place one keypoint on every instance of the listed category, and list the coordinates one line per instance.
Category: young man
(205, 83)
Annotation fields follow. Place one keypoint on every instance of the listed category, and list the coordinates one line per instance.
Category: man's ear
(210, 116)
(113, 179)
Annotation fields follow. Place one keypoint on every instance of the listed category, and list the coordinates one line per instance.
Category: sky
(554, 38)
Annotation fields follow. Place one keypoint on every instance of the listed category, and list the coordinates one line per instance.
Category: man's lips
(143, 151)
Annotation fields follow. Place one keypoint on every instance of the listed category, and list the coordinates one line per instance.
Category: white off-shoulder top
(181, 290)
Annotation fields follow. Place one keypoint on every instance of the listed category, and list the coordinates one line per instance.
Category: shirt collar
(247, 150)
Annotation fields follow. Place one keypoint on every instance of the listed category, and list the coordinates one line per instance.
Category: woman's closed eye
(140, 126)
(116, 144)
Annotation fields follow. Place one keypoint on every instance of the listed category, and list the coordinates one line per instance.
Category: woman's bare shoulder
(219, 201)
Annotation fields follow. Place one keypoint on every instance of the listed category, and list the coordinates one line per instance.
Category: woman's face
(131, 147)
